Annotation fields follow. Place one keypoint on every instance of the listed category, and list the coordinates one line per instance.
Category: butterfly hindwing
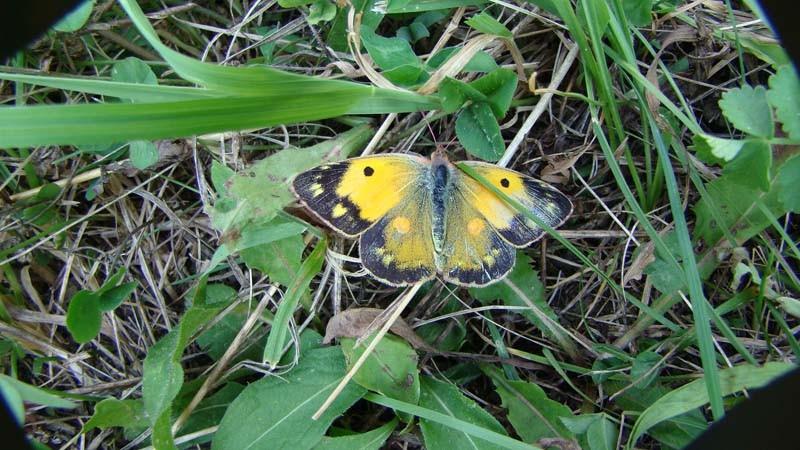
(399, 248)
(541, 199)
(352, 195)
(473, 253)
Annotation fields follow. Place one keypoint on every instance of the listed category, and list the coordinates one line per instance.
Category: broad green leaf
(712, 149)
(638, 12)
(394, 56)
(787, 181)
(455, 93)
(13, 401)
(784, 96)
(695, 394)
(111, 412)
(162, 376)
(371, 440)
(479, 133)
(664, 275)
(210, 412)
(113, 297)
(76, 19)
(676, 432)
(84, 316)
(220, 174)
(391, 369)
(321, 11)
(275, 411)
(547, 5)
(498, 86)
(747, 109)
(415, 6)
(643, 371)
(522, 287)
(279, 259)
(253, 235)
(133, 70)
(752, 166)
(790, 305)
(532, 414)
(487, 24)
(279, 334)
(481, 62)
(446, 399)
(595, 431)
(772, 53)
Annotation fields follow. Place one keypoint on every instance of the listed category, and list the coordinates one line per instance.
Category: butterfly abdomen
(439, 192)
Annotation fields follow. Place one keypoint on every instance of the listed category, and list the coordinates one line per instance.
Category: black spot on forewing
(317, 189)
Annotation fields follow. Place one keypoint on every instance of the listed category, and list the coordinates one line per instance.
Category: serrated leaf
(532, 414)
(479, 133)
(487, 24)
(391, 369)
(76, 19)
(143, 154)
(111, 412)
(274, 412)
(84, 316)
(747, 109)
(712, 149)
(445, 398)
(522, 287)
(784, 96)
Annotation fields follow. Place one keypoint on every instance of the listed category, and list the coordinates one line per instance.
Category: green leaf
(481, 62)
(752, 166)
(76, 19)
(479, 133)
(143, 154)
(111, 412)
(787, 181)
(279, 259)
(280, 325)
(747, 109)
(643, 370)
(790, 305)
(394, 56)
(455, 93)
(664, 275)
(84, 316)
(547, 5)
(522, 287)
(498, 86)
(531, 413)
(784, 96)
(391, 369)
(595, 431)
(676, 432)
(34, 394)
(769, 52)
(210, 412)
(133, 70)
(13, 401)
(487, 24)
(275, 411)
(695, 394)
(113, 297)
(638, 12)
(714, 150)
(220, 174)
(321, 11)
(446, 399)
(371, 440)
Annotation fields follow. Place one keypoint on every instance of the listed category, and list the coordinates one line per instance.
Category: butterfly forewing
(352, 195)
(541, 199)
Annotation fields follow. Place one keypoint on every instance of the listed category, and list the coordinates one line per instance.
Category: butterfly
(417, 218)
